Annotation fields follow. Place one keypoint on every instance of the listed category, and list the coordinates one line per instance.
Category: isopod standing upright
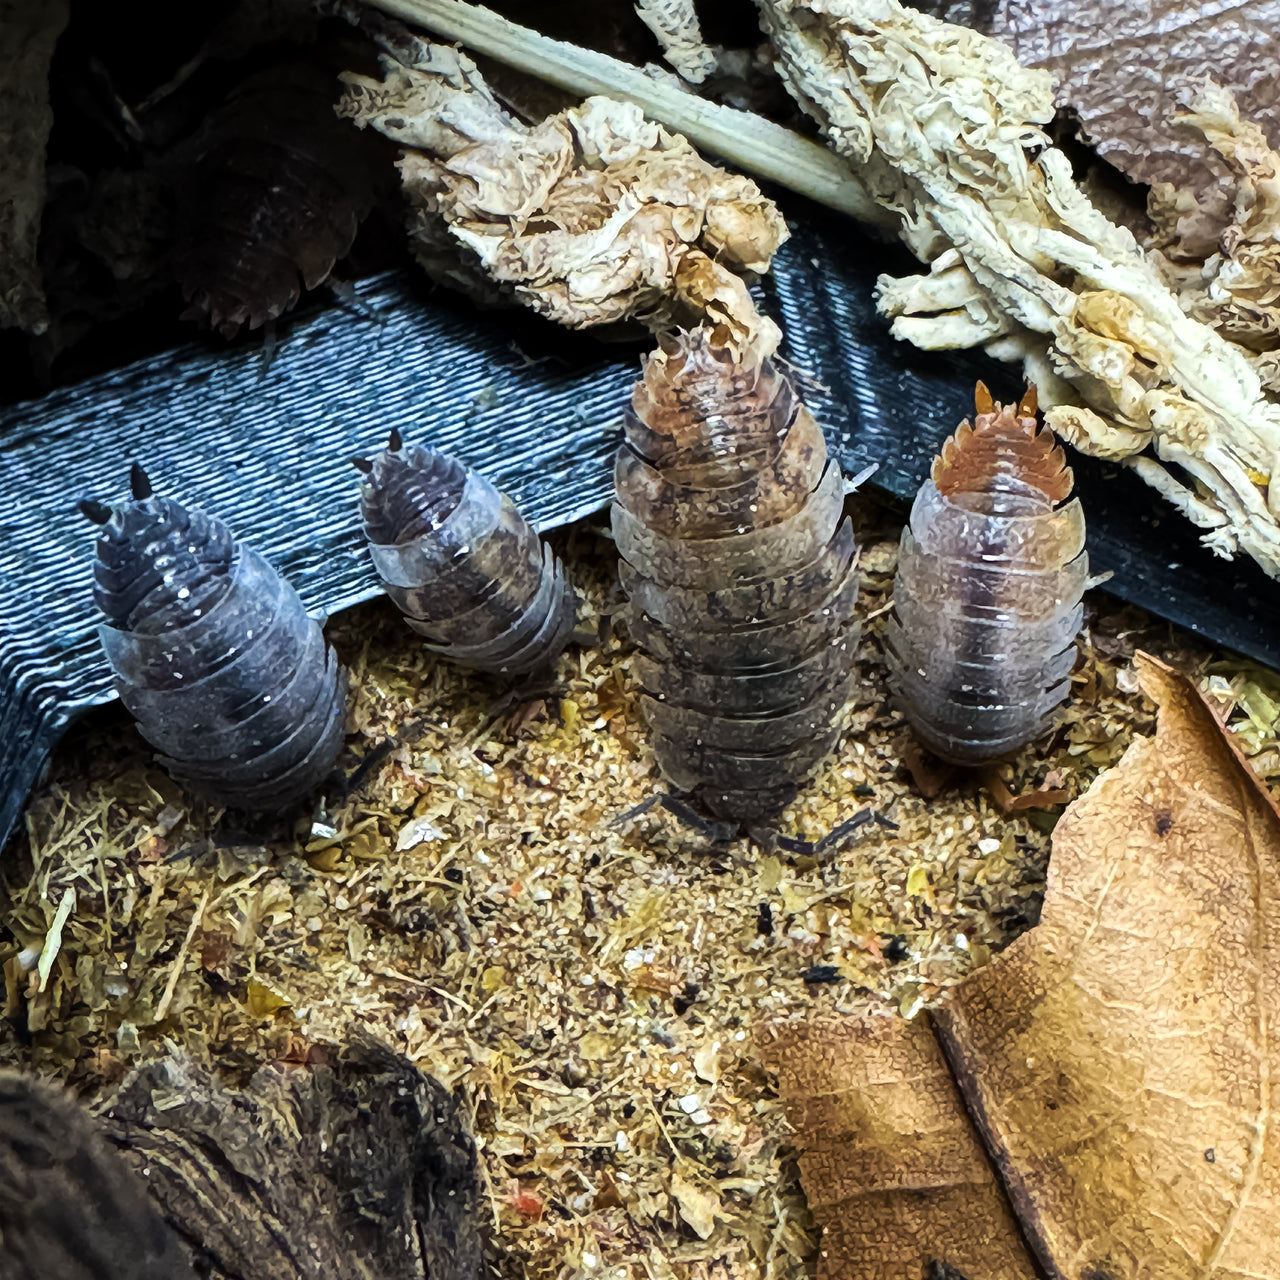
(741, 571)
(987, 600)
(214, 654)
(462, 564)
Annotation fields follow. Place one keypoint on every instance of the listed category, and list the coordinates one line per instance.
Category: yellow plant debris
(592, 988)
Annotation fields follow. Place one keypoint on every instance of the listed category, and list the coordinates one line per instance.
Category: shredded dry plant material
(593, 990)
(943, 125)
(675, 26)
(593, 216)
(1226, 262)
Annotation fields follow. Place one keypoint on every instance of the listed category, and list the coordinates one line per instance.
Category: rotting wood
(349, 1163)
(70, 1208)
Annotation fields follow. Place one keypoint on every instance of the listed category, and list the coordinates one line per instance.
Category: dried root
(595, 215)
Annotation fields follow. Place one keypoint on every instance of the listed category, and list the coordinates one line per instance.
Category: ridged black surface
(269, 456)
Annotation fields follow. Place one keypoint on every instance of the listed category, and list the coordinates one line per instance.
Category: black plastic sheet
(537, 410)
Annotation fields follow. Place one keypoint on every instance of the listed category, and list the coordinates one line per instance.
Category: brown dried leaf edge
(1120, 1060)
(893, 1168)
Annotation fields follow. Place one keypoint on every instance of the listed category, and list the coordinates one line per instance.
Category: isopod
(462, 564)
(278, 190)
(214, 654)
(987, 600)
(741, 572)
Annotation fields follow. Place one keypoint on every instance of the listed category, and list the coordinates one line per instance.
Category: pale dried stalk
(942, 124)
(593, 216)
(748, 141)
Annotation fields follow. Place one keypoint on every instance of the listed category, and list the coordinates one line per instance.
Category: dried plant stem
(757, 145)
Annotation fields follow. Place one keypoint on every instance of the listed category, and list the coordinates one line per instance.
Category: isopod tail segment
(741, 570)
(457, 558)
(987, 600)
(214, 655)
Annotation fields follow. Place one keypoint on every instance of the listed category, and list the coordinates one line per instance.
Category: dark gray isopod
(214, 655)
(461, 563)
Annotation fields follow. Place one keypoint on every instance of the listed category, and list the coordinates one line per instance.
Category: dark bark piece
(70, 1209)
(362, 1170)
(29, 29)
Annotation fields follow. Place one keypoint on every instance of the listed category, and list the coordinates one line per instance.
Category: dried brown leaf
(891, 1164)
(1120, 1058)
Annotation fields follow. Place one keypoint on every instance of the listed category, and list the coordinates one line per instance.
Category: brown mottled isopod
(987, 598)
(741, 573)
(277, 192)
(461, 563)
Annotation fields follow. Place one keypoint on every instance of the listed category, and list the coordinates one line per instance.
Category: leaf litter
(1116, 1059)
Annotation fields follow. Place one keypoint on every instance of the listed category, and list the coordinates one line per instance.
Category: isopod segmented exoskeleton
(741, 574)
(987, 597)
(461, 563)
(214, 654)
(277, 192)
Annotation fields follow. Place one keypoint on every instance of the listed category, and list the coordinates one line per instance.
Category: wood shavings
(591, 217)
(674, 24)
(29, 29)
(698, 1208)
(53, 939)
(593, 992)
(944, 126)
